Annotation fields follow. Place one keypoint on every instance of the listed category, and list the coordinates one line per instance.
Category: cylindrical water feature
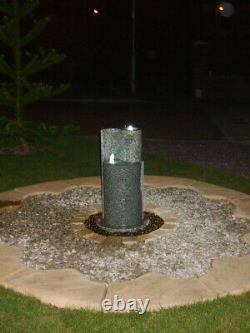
(122, 180)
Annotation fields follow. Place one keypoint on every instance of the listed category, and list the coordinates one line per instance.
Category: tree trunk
(17, 62)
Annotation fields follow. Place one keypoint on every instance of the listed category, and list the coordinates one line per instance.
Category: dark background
(99, 47)
(193, 75)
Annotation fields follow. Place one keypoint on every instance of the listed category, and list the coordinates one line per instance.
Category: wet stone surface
(208, 229)
(151, 223)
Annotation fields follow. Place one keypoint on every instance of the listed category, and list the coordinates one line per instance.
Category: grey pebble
(208, 230)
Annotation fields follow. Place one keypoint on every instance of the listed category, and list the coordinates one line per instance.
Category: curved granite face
(124, 144)
(122, 196)
(122, 180)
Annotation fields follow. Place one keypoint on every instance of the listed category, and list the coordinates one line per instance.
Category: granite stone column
(122, 179)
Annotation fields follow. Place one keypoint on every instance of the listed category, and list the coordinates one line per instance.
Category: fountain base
(151, 223)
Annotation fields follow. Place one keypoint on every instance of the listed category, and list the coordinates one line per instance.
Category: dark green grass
(24, 314)
(67, 157)
(75, 156)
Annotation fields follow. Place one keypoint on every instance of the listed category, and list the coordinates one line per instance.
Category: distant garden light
(96, 11)
(226, 9)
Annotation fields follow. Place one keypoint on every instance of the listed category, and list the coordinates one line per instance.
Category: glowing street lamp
(226, 9)
(96, 12)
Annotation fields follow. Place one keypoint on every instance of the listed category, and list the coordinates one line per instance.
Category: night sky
(99, 46)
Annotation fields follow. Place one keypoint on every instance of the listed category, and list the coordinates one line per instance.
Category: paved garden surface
(232, 156)
(184, 130)
(199, 136)
(68, 287)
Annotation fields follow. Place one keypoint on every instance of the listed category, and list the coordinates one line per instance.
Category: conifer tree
(18, 66)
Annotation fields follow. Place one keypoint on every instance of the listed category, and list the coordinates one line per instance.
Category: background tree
(19, 90)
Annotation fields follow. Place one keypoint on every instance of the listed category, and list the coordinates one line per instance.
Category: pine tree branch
(42, 61)
(7, 8)
(38, 28)
(28, 7)
(4, 39)
(6, 96)
(5, 68)
(21, 92)
(39, 91)
(7, 29)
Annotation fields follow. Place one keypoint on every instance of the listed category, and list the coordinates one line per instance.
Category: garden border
(71, 289)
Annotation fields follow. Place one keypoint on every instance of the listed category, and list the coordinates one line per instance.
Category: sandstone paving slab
(242, 208)
(49, 187)
(246, 239)
(58, 186)
(9, 269)
(165, 180)
(10, 262)
(7, 206)
(168, 226)
(10, 253)
(11, 196)
(162, 291)
(147, 238)
(86, 181)
(159, 232)
(217, 192)
(208, 190)
(229, 275)
(61, 288)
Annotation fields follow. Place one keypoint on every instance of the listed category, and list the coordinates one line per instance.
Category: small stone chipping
(208, 229)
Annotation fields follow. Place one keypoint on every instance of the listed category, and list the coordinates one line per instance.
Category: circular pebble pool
(208, 229)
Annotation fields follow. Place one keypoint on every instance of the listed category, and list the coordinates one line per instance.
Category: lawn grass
(25, 314)
(75, 156)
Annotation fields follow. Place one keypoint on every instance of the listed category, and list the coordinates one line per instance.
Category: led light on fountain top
(112, 159)
(131, 128)
(122, 179)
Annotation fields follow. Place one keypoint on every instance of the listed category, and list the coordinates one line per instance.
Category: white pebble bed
(208, 230)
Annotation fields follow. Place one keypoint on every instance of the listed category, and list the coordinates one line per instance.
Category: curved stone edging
(69, 288)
